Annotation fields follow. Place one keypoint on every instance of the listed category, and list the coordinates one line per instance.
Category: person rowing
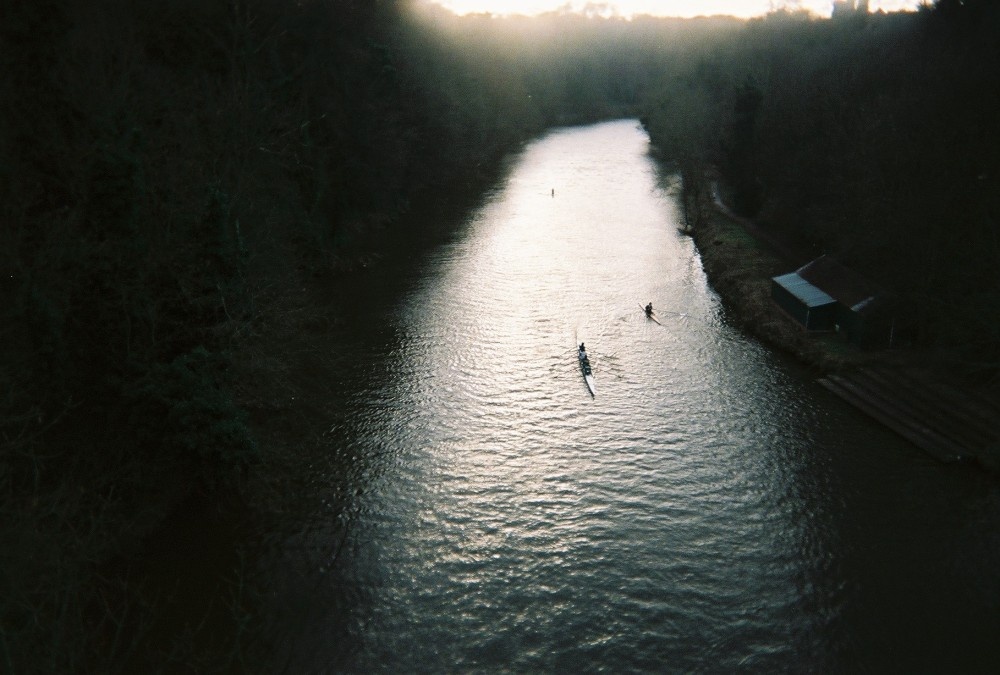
(588, 373)
(649, 309)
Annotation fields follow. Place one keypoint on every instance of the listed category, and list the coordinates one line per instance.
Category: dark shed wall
(789, 303)
(822, 318)
(818, 317)
(872, 327)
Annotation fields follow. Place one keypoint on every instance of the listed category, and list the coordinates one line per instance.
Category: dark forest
(172, 171)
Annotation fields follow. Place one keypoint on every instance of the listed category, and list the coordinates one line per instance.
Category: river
(710, 509)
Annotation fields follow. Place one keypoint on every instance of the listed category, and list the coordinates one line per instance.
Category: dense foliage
(870, 136)
(168, 168)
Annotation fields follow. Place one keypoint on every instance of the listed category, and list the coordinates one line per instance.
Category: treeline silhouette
(870, 136)
(172, 169)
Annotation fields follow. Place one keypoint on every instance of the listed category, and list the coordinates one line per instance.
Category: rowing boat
(649, 315)
(588, 374)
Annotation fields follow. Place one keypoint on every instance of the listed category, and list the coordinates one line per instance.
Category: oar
(649, 316)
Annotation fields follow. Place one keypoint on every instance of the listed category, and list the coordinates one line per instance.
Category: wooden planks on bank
(945, 421)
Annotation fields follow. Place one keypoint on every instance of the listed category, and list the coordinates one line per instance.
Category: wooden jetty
(947, 422)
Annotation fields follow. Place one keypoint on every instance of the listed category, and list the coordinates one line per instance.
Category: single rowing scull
(649, 314)
(588, 374)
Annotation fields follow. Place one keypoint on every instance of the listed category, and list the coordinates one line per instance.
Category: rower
(649, 309)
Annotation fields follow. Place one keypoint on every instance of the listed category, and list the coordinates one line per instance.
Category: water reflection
(710, 509)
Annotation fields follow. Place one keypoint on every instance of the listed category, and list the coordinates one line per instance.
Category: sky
(682, 8)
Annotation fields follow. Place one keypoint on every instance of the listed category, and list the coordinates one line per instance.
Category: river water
(711, 509)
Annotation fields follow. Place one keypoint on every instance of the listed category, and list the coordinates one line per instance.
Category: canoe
(588, 374)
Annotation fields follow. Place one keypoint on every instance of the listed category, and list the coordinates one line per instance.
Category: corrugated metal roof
(842, 283)
(803, 290)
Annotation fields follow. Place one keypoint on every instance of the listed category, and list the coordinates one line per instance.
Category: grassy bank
(740, 266)
(917, 393)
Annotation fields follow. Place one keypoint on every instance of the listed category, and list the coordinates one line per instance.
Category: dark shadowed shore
(913, 392)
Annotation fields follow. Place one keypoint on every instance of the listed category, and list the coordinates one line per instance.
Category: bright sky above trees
(684, 8)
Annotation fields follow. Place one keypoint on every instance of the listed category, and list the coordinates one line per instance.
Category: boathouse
(812, 307)
(824, 295)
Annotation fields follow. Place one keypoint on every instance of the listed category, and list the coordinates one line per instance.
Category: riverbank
(222, 586)
(911, 392)
(203, 596)
(195, 583)
(740, 260)
(434, 466)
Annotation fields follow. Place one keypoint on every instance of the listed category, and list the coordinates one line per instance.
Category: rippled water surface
(710, 509)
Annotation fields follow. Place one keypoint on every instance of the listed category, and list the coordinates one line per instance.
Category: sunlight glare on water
(711, 508)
